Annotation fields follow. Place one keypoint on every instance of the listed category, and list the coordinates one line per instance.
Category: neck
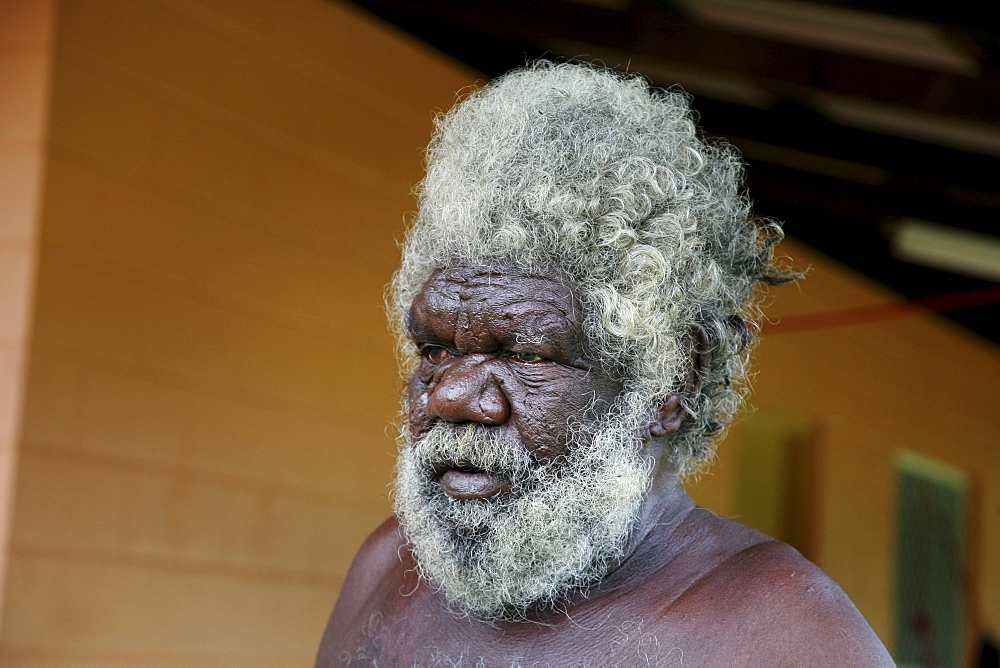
(656, 539)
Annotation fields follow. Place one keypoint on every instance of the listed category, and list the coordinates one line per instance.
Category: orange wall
(869, 391)
(25, 60)
(204, 439)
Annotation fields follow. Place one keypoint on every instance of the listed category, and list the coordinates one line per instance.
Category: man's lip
(467, 483)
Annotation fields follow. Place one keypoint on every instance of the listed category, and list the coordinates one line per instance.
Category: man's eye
(434, 354)
(528, 357)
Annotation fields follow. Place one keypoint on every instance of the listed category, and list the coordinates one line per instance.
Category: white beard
(557, 530)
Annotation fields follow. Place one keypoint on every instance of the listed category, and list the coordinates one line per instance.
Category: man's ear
(671, 413)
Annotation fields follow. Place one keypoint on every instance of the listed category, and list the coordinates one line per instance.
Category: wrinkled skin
(503, 349)
(506, 349)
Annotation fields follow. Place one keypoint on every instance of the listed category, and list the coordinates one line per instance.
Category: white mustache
(474, 446)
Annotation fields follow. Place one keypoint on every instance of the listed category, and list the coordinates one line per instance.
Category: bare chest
(422, 633)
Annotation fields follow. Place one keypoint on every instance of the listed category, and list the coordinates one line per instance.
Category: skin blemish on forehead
(504, 349)
(483, 309)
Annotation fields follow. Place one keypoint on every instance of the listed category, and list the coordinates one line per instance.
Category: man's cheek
(543, 435)
(419, 426)
(419, 422)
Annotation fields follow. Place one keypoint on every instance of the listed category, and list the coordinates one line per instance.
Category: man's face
(505, 350)
(517, 480)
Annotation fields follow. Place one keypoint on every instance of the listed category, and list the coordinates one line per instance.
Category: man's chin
(486, 559)
(500, 545)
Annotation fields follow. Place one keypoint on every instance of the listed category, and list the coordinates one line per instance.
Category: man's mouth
(464, 481)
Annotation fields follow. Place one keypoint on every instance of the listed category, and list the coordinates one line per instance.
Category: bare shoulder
(374, 564)
(789, 612)
(376, 557)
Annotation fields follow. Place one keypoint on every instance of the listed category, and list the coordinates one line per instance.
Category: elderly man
(572, 311)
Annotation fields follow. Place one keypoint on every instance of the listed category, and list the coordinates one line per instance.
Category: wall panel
(26, 53)
(206, 438)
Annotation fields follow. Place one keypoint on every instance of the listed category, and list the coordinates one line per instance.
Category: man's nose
(468, 392)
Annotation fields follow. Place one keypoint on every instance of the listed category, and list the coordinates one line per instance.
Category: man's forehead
(536, 304)
(481, 308)
(502, 284)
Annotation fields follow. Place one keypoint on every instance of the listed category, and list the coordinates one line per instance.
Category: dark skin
(506, 349)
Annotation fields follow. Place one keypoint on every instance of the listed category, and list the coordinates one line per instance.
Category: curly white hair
(605, 178)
